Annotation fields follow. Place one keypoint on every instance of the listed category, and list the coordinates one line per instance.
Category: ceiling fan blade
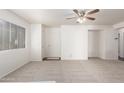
(76, 11)
(70, 17)
(93, 11)
(90, 18)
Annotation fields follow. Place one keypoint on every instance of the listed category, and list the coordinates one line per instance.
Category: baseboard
(102, 58)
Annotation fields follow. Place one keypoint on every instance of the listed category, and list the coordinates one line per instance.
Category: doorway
(121, 44)
(93, 44)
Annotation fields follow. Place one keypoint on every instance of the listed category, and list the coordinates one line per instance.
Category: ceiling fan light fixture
(84, 19)
(83, 15)
(78, 20)
(81, 20)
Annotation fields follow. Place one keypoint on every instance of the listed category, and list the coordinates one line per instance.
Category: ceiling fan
(82, 15)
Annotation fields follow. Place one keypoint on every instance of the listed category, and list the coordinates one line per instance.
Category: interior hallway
(93, 70)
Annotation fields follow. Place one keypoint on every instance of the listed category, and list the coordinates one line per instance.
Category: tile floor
(91, 71)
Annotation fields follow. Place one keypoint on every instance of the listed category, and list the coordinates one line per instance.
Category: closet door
(53, 42)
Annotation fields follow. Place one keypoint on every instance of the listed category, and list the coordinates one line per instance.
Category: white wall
(13, 59)
(74, 39)
(36, 42)
(74, 42)
(52, 42)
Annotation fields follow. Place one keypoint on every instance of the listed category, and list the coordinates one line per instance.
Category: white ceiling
(56, 17)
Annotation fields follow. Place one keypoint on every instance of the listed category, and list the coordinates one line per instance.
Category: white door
(53, 42)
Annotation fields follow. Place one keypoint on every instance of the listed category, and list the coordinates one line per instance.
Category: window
(5, 35)
(21, 37)
(13, 39)
(11, 36)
